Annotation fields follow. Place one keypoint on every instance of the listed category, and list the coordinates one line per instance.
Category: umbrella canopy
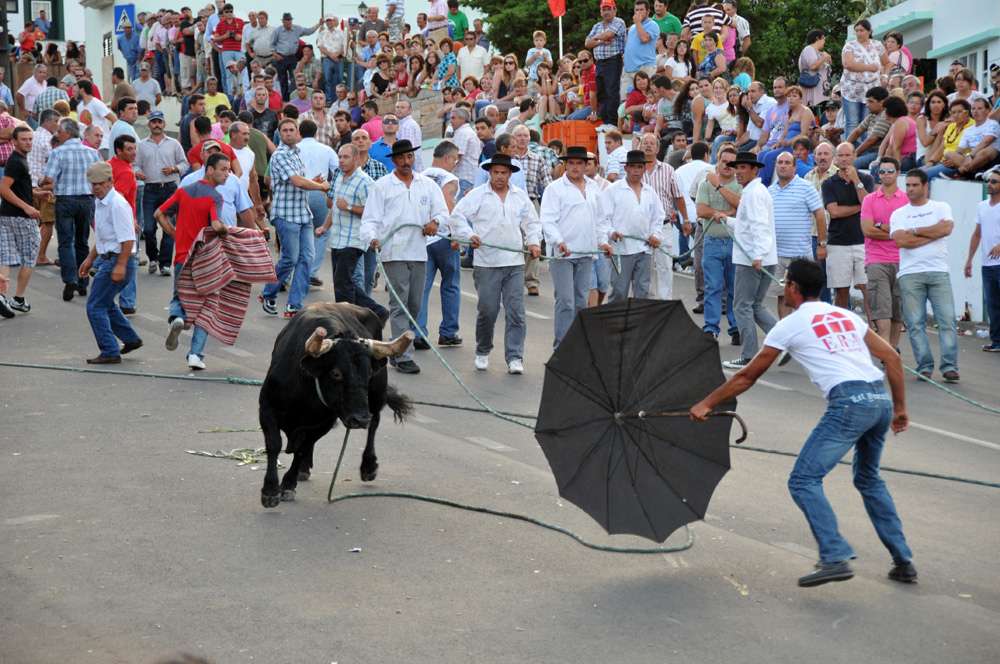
(613, 417)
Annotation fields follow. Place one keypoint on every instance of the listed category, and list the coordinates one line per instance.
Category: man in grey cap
(285, 44)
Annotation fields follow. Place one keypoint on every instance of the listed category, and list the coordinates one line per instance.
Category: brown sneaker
(951, 376)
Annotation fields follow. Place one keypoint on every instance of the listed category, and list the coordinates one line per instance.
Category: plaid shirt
(537, 174)
(68, 168)
(347, 225)
(605, 50)
(41, 148)
(7, 148)
(375, 169)
(664, 182)
(289, 202)
(48, 97)
(326, 131)
(547, 154)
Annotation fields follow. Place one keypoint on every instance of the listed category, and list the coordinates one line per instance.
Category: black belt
(109, 255)
(613, 57)
(160, 184)
(74, 195)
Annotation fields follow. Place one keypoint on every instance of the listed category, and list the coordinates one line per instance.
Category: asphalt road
(117, 546)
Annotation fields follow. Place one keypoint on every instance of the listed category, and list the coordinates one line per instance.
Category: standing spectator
(128, 113)
(437, 21)
(863, 59)
(814, 60)
(95, 112)
(214, 98)
(43, 23)
(5, 94)
(381, 150)
(264, 119)
(821, 172)
(372, 22)
(228, 37)
(988, 232)
(332, 44)
(694, 19)
(38, 159)
(309, 68)
(537, 55)
(614, 169)
(667, 22)
(920, 230)
(798, 208)
(640, 47)
(499, 214)
(842, 196)
(409, 129)
(663, 179)
(292, 220)
(125, 183)
(114, 231)
(159, 162)
(633, 208)
(321, 163)
(469, 148)
(714, 211)
(395, 18)
(689, 176)
(47, 98)
(147, 88)
(122, 88)
(187, 52)
(128, 44)
(575, 228)
(29, 90)
(261, 39)
(326, 133)
(186, 133)
(739, 24)
(881, 252)
(874, 127)
(537, 176)
(19, 235)
(67, 172)
(404, 254)
(473, 59)
(372, 120)
(349, 194)
(607, 42)
(286, 46)
(239, 140)
(755, 255)
(457, 20)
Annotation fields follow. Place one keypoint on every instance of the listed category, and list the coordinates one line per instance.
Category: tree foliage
(778, 27)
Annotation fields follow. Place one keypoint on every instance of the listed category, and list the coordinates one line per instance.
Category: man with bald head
(842, 196)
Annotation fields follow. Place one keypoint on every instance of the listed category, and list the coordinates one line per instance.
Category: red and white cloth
(214, 285)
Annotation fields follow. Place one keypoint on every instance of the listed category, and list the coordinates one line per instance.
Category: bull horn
(317, 344)
(383, 349)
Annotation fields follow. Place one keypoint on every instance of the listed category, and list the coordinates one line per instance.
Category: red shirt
(589, 80)
(196, 206)
(125, 182)
(235, 25)
(274, 101)
(194, 154)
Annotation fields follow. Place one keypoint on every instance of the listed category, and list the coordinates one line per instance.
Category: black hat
(500, 159)
(746, 158)
(286, 17)
(575, 152)
(403, 147)
(636, 157)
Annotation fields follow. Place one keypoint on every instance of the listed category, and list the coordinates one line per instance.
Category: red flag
(557, 7)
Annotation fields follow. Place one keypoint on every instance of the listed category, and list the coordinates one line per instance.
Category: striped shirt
(794, 208)
(664, 182)
(289, 203)
(606, 50)
(692, 20)
(347, 225)
(67, 167)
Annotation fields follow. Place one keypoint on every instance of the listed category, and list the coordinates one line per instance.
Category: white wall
(963, 197)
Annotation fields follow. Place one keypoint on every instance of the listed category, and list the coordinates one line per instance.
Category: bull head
(317, 344)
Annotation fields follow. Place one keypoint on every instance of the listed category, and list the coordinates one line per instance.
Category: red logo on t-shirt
(836, 331)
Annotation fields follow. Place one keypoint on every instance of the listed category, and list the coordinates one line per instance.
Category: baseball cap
(210, 144)
(156, 115)
(608, 3)
(286, 17)
(99, 171)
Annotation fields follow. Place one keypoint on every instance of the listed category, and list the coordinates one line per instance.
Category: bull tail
(400, 404)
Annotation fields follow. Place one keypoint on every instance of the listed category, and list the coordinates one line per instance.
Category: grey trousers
(636, 272)
(495, 285)
(531, 268)
(571, 282)
(407, 278)
(749, 290)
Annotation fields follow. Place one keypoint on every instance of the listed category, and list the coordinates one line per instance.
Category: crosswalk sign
(124, 17)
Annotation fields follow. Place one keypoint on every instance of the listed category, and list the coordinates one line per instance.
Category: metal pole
(560, 39)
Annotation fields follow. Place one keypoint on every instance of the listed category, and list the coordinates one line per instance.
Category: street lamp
(362, 9)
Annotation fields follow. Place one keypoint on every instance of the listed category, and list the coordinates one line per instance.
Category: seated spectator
(947, 144)
(977, 148)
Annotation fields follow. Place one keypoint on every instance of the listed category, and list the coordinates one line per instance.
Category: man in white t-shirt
(100, 115)
(988, 232)
(835, 347)
(920, 230)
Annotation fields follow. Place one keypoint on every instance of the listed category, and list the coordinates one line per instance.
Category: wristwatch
(821, 243)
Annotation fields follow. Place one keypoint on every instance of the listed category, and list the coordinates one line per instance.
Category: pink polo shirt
(878, 207)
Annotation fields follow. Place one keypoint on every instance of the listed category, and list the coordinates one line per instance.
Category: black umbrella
(613, 417)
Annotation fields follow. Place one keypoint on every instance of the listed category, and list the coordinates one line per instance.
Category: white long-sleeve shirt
(573, 217)
(392, 204)
(753, 226)
(628, 215)
(511, 222)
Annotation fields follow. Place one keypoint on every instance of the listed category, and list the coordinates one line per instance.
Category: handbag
(808, 79)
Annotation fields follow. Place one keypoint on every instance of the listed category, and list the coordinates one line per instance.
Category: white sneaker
(515, 366)
(195, 362)
(176, 326)
(482, 362)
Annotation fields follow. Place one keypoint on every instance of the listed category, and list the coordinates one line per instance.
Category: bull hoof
(304, 475)
(269, 500)
(369, 475)
(288, 495)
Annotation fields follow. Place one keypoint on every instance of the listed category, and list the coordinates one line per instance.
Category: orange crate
(573, 132)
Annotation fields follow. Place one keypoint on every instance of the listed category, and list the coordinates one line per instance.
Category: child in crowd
(537, 55)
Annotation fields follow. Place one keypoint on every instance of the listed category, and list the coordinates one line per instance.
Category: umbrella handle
(683, 413)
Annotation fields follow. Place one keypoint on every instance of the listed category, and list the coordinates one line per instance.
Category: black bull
(328, 363)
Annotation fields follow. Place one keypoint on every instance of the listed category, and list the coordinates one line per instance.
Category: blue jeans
(580, 114)
(854, 113)
(937, 170)
(916, 290)
(991, 292)
(333, 75)
(770, 158)
(317, 207)
(857, 415)
(717, 264)
(225, 57)
(863, 162)
(717, 143)
(440, 256)
(161, 68)
(296, 255)
(199, 337)
(129, 294)
(73, 217)
(106, 319)
(153, 196)
(133, 70)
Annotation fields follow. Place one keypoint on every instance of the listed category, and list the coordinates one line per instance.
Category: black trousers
(609, 75)
(285, 66)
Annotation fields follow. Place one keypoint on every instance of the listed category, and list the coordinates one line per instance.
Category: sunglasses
(886, 171)
(509, 62)
(583, 60)
(385, 122)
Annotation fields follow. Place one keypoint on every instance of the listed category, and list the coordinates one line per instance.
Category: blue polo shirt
(637, 54)
(380, 151)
